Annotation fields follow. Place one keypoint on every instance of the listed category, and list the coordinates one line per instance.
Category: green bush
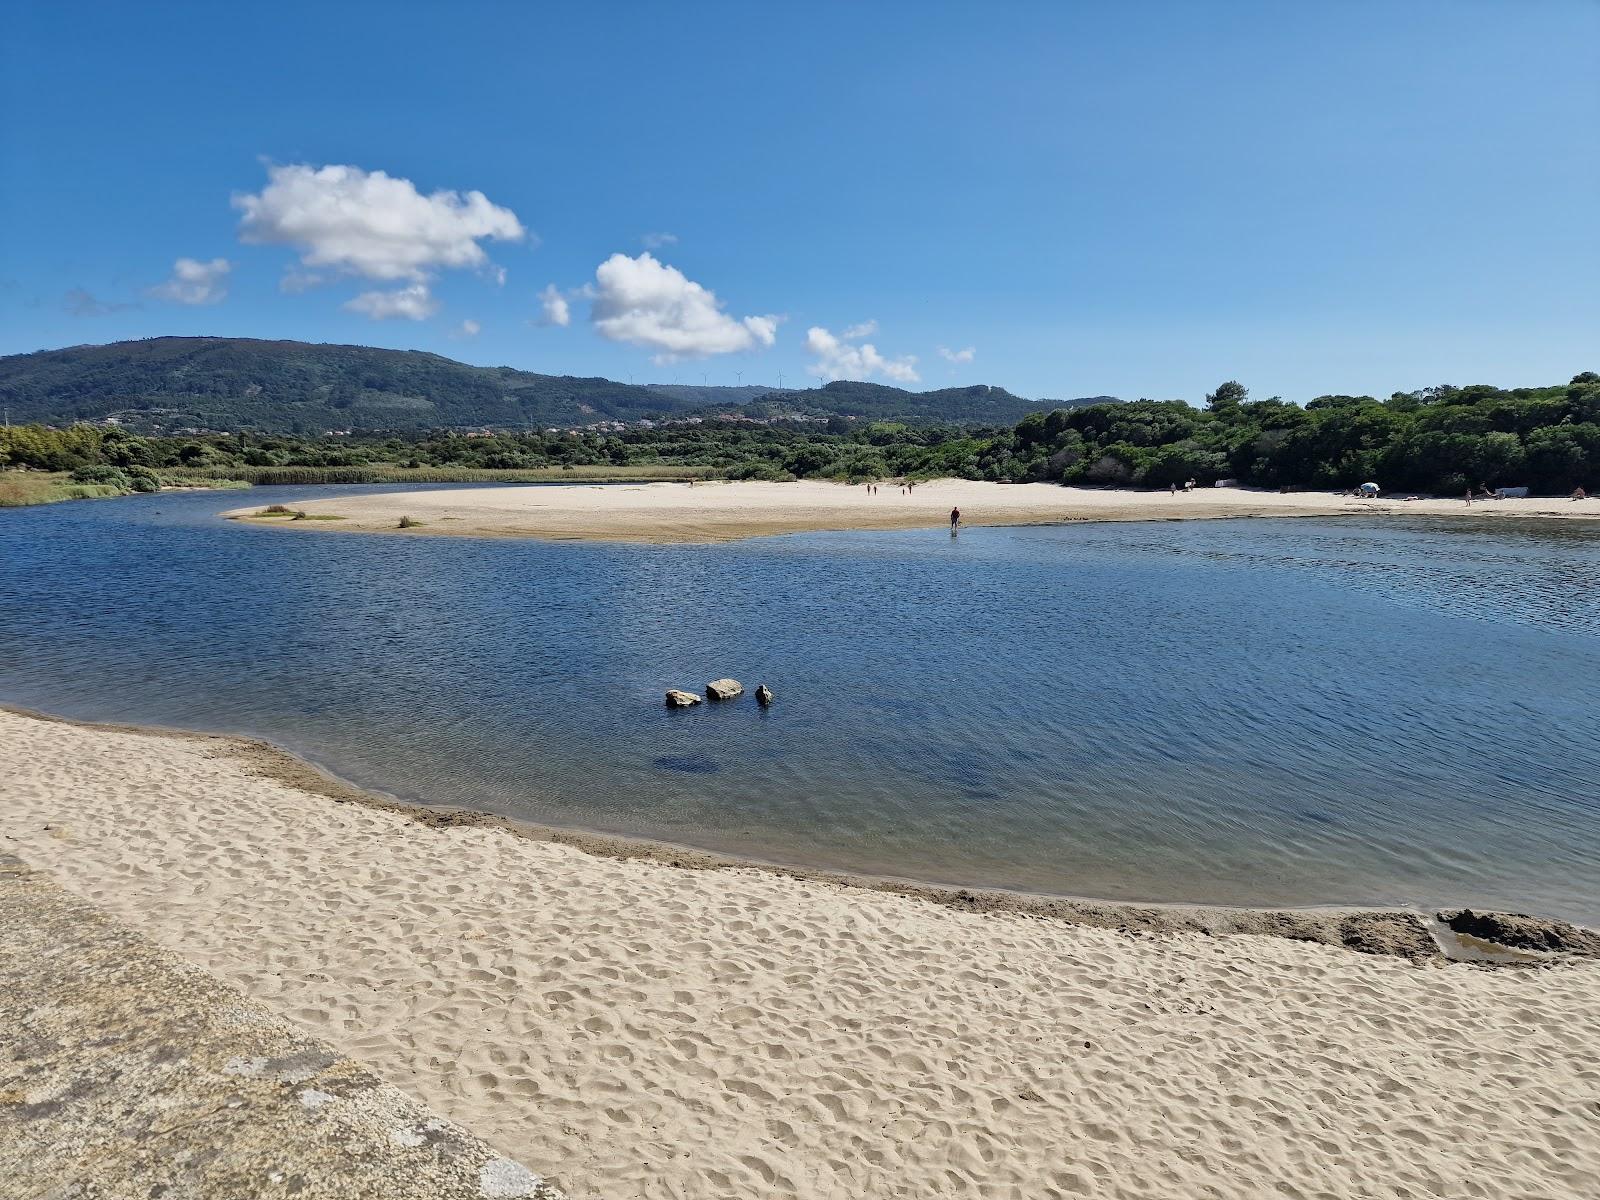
(109, 476)
(143, 479)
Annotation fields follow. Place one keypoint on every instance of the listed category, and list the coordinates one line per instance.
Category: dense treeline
(738, 450)
(1442, 439)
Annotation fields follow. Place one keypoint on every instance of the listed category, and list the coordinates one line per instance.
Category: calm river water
(1285, 711)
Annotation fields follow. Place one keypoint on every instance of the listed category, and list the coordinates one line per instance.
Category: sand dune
(713, 512)
(636, 1030)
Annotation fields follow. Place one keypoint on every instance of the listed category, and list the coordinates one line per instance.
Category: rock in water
(763, 695)
(724, 689)
(680, 699)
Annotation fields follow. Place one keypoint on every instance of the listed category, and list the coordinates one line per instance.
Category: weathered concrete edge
(1401, 933)
(125, 1071)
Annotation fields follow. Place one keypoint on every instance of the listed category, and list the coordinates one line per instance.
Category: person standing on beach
(955, 519)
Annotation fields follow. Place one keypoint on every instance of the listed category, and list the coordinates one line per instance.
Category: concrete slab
(129, 1074)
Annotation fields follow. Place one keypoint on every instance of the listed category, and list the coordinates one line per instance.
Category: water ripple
(1248, 712)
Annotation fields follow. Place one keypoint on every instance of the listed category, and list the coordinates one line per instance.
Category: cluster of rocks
(717, 689)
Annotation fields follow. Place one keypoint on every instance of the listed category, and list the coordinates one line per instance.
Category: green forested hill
(226, 384)
(296, 387)
(977, 405)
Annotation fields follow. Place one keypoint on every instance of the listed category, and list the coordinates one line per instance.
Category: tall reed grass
(18, 489)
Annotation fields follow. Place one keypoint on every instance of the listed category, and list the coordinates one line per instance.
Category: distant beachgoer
(1579, 494)
(1172, 489)
(1469, 497)
(955, 518)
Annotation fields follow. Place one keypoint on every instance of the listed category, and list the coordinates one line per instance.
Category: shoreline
(712, 512)
(1414, 934)
(653, 1033)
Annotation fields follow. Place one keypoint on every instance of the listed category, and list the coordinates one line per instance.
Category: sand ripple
(640, 1031)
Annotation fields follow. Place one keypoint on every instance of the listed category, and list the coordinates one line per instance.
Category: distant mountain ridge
(167, 384)
(979, 404)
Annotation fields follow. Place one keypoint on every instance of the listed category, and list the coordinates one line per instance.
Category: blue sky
(1137, 199)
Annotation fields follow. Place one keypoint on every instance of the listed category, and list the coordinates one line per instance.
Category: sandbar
(718, 512)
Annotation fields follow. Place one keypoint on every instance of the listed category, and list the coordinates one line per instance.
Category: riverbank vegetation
(1443, 440)
(18, 489)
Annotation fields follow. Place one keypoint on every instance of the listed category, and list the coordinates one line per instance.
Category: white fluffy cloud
(371, 224)
(415, 303)
(467, 329)
(553, 307)
(839, 357)
(654, 241)
(959, 357)
(195, 282)
(647, 303)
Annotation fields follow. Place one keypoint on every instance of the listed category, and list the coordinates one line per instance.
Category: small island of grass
(282, 512)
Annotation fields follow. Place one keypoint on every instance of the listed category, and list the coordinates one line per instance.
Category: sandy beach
(632, 1029)
(716, 512)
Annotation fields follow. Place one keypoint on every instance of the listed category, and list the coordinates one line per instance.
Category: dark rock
(724, 689)
(1523, 932)
(763, 695)
(681, 699)
(1402, 934)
